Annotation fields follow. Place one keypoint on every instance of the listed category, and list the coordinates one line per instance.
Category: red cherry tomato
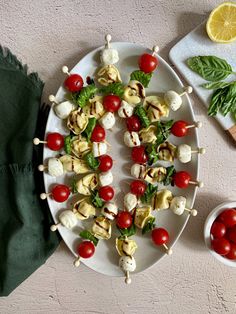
(74, 83)
(124, 220)
(218, 229)
(139, 155)
(232, 252)
(106, 163)
(181, 179)
(231, 234)
(98, 134)
(147, 63)
(86, 249)
(221, 246)
(137, 187)
(133, 123)
(228, 217)
(55, 141)
(60, 193)
(106, 193)
(160, 236)
(111, 103)
(179, 128)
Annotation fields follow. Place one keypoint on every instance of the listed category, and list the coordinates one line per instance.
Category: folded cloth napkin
(25, 238)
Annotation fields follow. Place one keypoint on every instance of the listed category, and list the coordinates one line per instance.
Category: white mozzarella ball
(105, 178)
(68, 219)
(55, 167)
(107, 120)
(127, 263)
(184, 153)
(126, 110)
(173, 100)
(177, 205)
(109, 210)
(63, 109)
(130, 201)
(137, 170)
(99, 149)
(109, 56)
(131, 139)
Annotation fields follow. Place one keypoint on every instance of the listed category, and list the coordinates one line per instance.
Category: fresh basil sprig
(150, 191)
(67, 144)
(151, 150)
(216, 85)
(170, 171)
(91, 161)
(81, 98)
(85, 234)
(143, 78)
(114, 88)
(89, 129)
(127, 232)
(163, 131)
(211, 68)
(74, 185)
(96, 200)
(141, 113)
(149, 226)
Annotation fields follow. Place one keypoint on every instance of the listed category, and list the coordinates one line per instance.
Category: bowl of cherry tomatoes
(220, 233)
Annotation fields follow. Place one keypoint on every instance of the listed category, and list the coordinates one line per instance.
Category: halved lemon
(221, 24)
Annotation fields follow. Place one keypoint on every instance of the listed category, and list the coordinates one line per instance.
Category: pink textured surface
(47, 34)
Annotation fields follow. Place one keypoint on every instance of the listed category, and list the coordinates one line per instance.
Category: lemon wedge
(221, 24)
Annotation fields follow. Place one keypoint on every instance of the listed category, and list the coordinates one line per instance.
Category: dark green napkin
(25, 238)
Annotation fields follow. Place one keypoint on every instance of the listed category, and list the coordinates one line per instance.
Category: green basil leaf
(89, 129)
(170, 171)
(215, 85)
(149, 226)
(151, 150)
(114, 88)
(150, 191)
(211, 68)
(67, 144)
(127, 232)
(143, 78)
(96, 200)
(217, 100)
(85, 234)
(141, 113)
(233, 112)
(163, 131)
(91, 161)
(81, 98)
(73, 185)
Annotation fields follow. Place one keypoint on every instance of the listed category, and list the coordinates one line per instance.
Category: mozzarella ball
(109, 211)
(177, 205)
(126, 110)
(173, 100)
(137, 170)
(99, 149)
(127, 263)
(109, 56)
(184, 153)
(68, 219)
(107, 120)
(105, 178)
(130, 201)
(131, 139)
(63, 109)
(55, 167)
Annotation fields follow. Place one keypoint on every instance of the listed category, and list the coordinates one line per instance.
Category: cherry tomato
(231, 234)
(137, 187)
(74, 83)
(147, 63)
(218, 229)
(232, 252)
(124, 220)
(86, 249)
(221, 246)
(179, 128)
(160, 236)
(181, 179)
(55, 141)
(111, 103)
(133, 123)
(228, 217)
(106, 163)
(106, 193)
(139, 155)
(60, 193)
(98, 134)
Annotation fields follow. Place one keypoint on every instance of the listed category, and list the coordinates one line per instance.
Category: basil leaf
(211, 68)
(141, 113)
(233, 112)
(163, 131)
(230, 100)
(89, 129)
(127, 232)
(91, 161)
(81, 98)
(143, 78)
(114, 88)
(150, 191)
(74, 186)
(215, 85)
(170, 171)
(96, 200)
(151, 150)
(85, 234)
(67, 144)
(149, 226)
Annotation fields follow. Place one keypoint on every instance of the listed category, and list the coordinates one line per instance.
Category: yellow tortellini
(148, 135)
(156, 108)
(108, 74)
(166, 151)
(87, 184)
(77, 122)
(126, 247)
(83, 209)
(161, 200)
(142, 215)
(102, 228)
(94, 107)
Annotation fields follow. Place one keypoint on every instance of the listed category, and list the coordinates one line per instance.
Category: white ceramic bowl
(207, 229)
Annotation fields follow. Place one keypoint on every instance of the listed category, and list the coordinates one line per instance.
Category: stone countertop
(47, 34)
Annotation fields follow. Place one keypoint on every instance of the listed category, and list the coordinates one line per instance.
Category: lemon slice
(221, 25)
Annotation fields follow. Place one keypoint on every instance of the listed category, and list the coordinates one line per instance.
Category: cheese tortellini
(155, 108)
(161, 200)
(166, 151)
(148, 135)
(142, 215)
(126, 247)
(108, 74)
(87, 184)
(83, 209)
(77, 122)
(94, 107)
(71, 163)
(102, 228)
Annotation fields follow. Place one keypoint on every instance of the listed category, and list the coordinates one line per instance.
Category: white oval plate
(105, 259)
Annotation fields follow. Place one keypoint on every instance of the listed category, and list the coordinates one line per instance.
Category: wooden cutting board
(197, 43)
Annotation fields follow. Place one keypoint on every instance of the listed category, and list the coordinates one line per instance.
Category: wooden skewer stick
(37, 141)
(42, 167)
(127, 278)
(43, 196)
(55, 227)
(198, 124)
(155, 50)
(108, 39)
(192, 212)
(77, 262)
(169, 251)
(65, 70)
(187, 90)
(198, 151)
(52, 98)
(200, 184)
